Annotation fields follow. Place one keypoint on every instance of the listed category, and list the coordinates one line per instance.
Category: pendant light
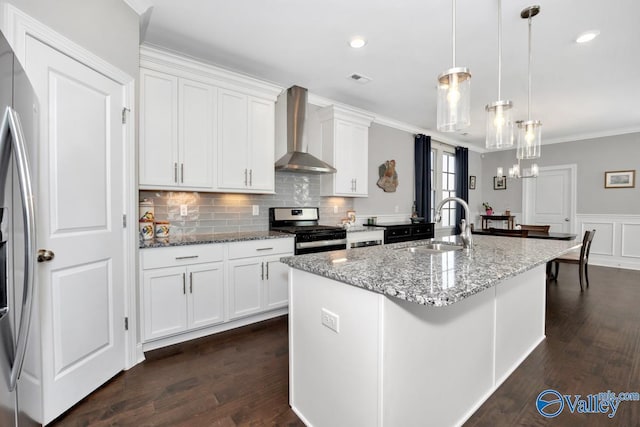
(499, 123)
(529, 131)
(454, 92)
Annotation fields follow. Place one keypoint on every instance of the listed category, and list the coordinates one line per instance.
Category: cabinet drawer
(398, 232)
(255, 248)
(180, 255)
(423, 231)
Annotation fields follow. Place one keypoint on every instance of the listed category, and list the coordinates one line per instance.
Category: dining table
(536, 235)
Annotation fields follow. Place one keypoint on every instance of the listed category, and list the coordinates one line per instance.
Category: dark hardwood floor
(240, 377)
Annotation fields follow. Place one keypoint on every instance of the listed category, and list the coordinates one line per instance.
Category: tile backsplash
(225, 212)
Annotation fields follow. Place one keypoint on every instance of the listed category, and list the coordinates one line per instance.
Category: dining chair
(508, 233)
(579, 257)
(538, 228)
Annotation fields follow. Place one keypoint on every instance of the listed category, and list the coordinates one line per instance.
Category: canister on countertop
(146, 230)
(162, 229)
(146, 210)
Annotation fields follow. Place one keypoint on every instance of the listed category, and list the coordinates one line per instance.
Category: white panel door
(550, 199)
(80, 207)
(196, 128)
(164, 300)
(245, 287)
(233, 170)
(277, 282)
(205, 295)
(261, 144)
(344, 158)
(158, 129)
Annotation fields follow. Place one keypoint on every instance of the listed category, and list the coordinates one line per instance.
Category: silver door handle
(175, 173)
(11, 124)
(45, 255)
(262, 273)
(184, 283)
(355, 184)
(182, 173)
(190, 282)
(267, 271)
(250, 177)
(245, 177)
(567, 219)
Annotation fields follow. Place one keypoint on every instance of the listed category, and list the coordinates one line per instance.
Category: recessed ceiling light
(587, 36)
(357, 42)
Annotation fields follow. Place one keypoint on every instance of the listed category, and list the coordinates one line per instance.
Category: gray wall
(107, 28)
(475, 196)
(593, 157)
(386, 143)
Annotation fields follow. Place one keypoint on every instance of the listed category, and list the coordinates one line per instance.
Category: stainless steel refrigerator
(18, 132)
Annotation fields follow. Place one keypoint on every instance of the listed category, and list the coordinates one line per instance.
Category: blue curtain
(422, 154)
(462, 182)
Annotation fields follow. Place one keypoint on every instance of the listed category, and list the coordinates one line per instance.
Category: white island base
(397, 363)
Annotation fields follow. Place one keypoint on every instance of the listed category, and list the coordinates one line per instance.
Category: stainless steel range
(309, 236)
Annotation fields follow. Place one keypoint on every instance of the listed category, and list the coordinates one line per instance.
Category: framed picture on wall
(620, 179)
(472, 182)
(499, 182)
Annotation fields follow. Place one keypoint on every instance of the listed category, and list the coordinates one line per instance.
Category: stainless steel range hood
(297, 160)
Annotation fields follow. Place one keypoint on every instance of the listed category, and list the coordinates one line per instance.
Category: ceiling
(579, 90)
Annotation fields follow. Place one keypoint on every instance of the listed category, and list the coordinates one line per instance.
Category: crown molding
(139, 6)
(160, 59)
(321, 101)
(592, 135)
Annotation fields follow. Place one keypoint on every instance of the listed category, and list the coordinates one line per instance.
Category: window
(443, 182)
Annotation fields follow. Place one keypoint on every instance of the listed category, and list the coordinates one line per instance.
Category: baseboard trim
(199, 333)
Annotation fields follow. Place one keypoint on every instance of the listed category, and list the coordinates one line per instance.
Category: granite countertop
(359, 228)
(433, 279)
(200, 239)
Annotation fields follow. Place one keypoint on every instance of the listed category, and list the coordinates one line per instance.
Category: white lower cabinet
(258, 281)
(182, 289)
(277, 286)
(196, 290)
(178, 299)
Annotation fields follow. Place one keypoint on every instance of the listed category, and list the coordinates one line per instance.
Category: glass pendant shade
(535, 170)
(529, 139)
(454, 100)
(514, 172)
(499, 131)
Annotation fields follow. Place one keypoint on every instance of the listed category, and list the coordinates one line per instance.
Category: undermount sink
(435, 248)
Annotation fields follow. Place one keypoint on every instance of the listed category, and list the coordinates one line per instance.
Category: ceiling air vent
(359, 78)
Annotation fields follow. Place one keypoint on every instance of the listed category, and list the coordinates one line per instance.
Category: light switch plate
(256, 210)
(184, 211)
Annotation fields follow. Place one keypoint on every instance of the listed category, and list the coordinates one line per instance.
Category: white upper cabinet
(158, 128)
(177, 138)
(246, 135)
(341, 138)
(196, 138)
(203, 128)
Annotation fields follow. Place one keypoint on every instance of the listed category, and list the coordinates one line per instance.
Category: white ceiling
(578, 90)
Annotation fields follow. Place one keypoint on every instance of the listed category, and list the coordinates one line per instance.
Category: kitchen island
(402, 335)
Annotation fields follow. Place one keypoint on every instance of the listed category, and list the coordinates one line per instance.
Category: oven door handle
(320, 243)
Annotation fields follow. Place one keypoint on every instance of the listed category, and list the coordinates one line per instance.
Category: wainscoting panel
(604, 239)
(617, 239)
(631, 240)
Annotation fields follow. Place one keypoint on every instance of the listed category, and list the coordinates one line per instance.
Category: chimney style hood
(297, 160)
